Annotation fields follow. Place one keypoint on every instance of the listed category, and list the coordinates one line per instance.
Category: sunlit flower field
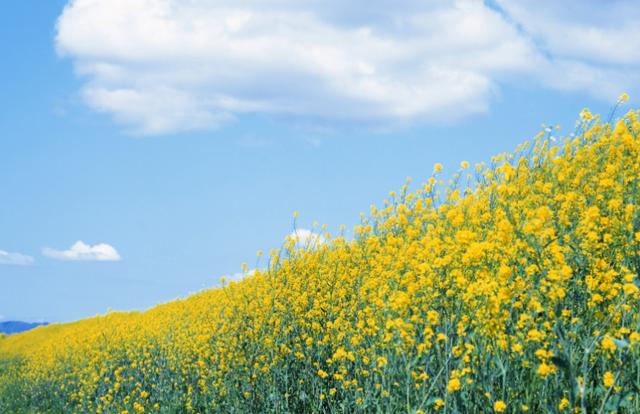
(511, 288)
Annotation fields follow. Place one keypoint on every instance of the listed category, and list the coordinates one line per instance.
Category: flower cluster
(514, 288)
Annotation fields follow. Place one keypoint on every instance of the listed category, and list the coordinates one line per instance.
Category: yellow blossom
(453, 385)
(608, 379)
(608, 344)
(564, 403)
(499, 406)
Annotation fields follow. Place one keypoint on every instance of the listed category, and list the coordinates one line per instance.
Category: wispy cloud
(19, 259)
(81, 251)
(587, 45)
(160, 66)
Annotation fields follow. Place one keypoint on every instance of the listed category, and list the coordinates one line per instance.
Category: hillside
(513, 288)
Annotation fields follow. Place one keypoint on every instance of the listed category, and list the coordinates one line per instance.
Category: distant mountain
(11, 327)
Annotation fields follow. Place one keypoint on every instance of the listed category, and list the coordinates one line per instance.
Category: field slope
(512, 289)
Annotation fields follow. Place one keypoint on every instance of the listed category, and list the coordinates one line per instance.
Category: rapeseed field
(512, 288)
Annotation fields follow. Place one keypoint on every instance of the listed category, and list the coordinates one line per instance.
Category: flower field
(512, 288)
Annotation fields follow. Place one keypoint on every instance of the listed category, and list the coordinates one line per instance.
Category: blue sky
(176, 155)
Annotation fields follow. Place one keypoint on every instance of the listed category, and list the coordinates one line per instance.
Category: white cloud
(303, 238)
(161, 66)
(15, 259)
(236, 277)
(588, 45)
(80, 251)
(581, 29)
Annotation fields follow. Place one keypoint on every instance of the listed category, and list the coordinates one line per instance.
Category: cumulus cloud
(236, 277)
(18, 259)
(162, 66)
(81, 251)
(303, 238)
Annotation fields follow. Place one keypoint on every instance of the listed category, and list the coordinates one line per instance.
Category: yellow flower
(586, 114)
(437, 167)
(453, 385)
(535, 335)
(608, 379)
(608, 344)
(499, 406)
(630, 289)
(564, 403)
(138, 407)
(545, 369)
